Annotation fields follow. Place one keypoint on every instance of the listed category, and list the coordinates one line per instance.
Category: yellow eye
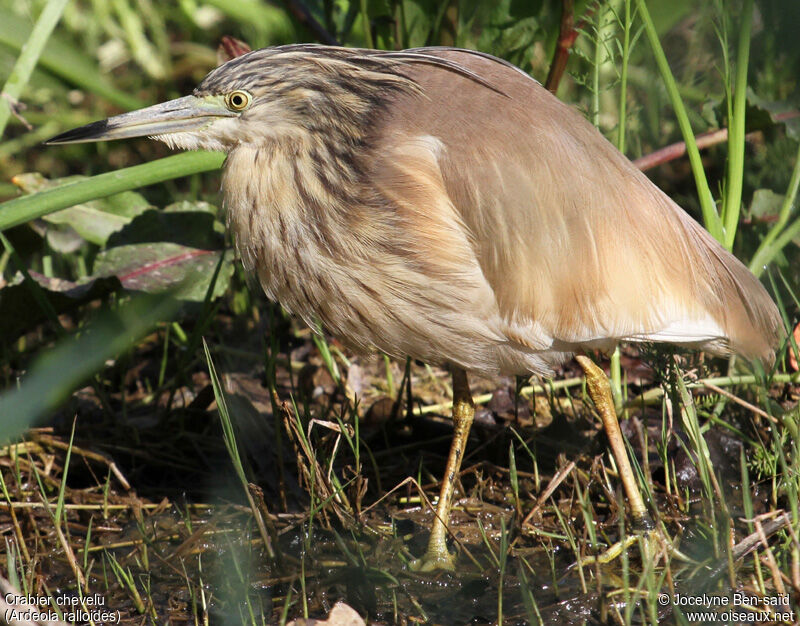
(238, 100)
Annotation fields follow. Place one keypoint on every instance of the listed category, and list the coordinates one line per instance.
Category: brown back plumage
(569, 234)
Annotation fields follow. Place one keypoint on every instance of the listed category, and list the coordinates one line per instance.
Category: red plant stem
(566, 39)
(705, 140)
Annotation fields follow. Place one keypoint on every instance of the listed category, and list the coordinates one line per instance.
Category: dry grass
(157, 524)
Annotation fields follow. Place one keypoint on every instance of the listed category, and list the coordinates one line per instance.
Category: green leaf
(507, 28)
(766, 203)
(161, 266)
(60, 238)
(194, 229)
(763, 113)
(191, 206)
(93, 225)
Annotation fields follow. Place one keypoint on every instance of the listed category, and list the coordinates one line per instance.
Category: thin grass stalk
(125, 579)
(162, 370)
(596, 62)
(514, 479)
(303, 585)
(504, 542)
(657, 393)
(12, 555)
(736, 130)
(233, 451)
(271, 351)
(529, 601)
(698, 443)
(62, 488)
(711, 218)
(55, 515)
(325, 352)
(615, 377)
(573, 544)
(389, 378)
(623, 78)
(588, 515)
(624, 559)
(287, 604)
(789, 475)
(488, 544)
(28, 57)
(747, 499)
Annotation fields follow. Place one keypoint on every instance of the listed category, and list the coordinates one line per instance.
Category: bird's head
(274, 93)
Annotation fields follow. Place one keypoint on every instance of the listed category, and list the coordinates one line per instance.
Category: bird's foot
(611, 553)
(434, 560)
(649, 538)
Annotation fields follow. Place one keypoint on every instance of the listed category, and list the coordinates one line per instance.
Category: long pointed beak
(180, 115)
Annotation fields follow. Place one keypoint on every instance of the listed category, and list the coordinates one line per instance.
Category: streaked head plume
(303, 92)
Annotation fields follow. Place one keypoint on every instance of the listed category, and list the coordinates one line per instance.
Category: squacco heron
(441, 204)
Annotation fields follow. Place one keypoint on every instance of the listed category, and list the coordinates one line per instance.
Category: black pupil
(237, 100)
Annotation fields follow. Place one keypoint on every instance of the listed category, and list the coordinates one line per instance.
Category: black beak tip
(83, 134)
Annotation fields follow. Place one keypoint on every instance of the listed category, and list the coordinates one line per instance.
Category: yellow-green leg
(437, 556)
(600, 391)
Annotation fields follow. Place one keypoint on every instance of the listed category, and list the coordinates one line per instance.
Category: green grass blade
(623, 77)
(65, 61)
(62, 487)
(711, 218)
(20, 210)
(736, 131)
(29, 55)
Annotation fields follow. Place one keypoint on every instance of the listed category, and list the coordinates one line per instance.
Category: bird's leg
(600, 391)
(437, 555)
